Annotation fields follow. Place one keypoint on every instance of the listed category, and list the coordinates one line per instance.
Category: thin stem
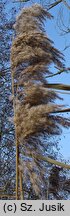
(66, 4)
(49, 160)
(54, 4)
(59, 72)
(17, 146)
(52, 161)
(21, 185)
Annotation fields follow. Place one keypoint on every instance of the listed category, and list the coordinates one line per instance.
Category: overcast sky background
(59, 42)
